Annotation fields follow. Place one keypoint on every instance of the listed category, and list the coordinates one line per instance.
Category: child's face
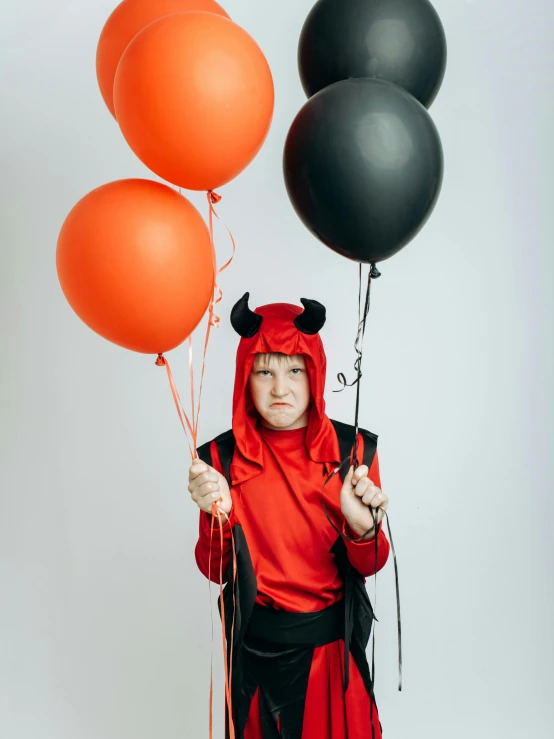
(280, 389)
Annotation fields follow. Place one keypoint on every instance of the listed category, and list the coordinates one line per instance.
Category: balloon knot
(213, 197)
(160, 361)
(374, 274)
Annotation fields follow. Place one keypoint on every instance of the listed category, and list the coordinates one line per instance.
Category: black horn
(312, 318)
(245, 322)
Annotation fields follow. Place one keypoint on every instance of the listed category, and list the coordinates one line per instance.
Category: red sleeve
(220, 554)
(362, 553)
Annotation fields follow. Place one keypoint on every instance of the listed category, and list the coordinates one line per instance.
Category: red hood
(278, 333)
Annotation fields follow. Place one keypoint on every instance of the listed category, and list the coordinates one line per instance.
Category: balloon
(193, 96)
(136, 263)
(363, 167)
(400, 41)
(130, 17)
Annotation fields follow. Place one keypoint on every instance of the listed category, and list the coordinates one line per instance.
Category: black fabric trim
(359, 615)
(204, 453)
(226, 448)
(245, 596)
(345, 435)
(281, 674)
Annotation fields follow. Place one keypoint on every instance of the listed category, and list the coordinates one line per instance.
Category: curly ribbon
(213, 322)
(190, 427)
(213, 319)
(161, 361)
(353, 459)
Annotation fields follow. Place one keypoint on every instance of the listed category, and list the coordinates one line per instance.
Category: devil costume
(302, 613)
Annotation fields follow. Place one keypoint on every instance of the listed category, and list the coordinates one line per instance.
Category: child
(303, 616)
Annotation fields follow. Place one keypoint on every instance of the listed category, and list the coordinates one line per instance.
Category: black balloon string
(353, 459)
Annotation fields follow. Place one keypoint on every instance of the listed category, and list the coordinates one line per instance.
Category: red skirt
(329, 713)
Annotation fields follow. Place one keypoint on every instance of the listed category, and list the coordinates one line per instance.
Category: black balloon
(363, 167)
(400, 41)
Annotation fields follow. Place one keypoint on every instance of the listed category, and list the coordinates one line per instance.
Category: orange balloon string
(161, 361)
(216, 511)
(192, 426)
(234, 609)
(213, 321)
(210, 718)
(224, 641)
(213, 199)
(191, 381)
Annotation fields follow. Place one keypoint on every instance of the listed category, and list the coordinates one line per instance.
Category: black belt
(314, 629)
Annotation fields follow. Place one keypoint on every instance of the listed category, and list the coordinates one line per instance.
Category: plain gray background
(105, 621)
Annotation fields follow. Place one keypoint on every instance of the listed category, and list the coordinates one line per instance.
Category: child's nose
(279, 387)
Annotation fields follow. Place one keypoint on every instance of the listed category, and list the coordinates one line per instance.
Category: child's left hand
(357, 496)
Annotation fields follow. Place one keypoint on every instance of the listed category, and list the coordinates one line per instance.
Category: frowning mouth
(281, 405)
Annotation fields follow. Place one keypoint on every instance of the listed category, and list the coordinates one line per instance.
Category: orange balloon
(193, 96)
(130, 17)
(136, 264)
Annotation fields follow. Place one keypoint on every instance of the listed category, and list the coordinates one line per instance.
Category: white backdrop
(105, 625)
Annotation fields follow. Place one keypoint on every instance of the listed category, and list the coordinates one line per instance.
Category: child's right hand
(207, 486)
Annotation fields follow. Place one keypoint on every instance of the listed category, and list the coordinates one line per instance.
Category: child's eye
(296, 369)
(264, 373)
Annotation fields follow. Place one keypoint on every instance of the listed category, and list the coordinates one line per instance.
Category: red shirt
(288, 535)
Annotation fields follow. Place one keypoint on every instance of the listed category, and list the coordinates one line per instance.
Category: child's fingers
(360, 472)
(375, 500)
(209, 489)
(362, 486)
(197, 468)
(209, 476)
